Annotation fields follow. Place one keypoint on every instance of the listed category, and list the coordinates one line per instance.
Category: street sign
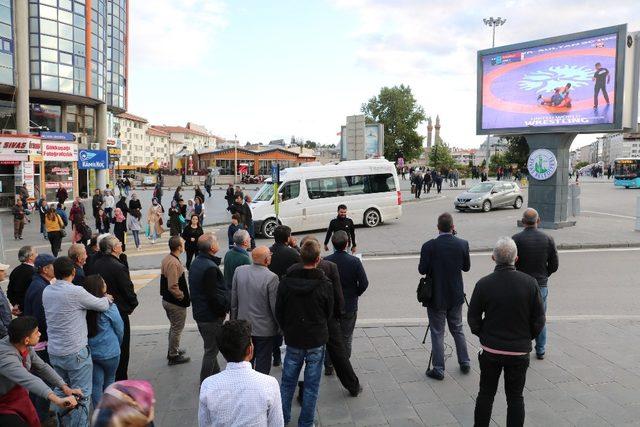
(92, 159)
(275, 173)
(275, 178)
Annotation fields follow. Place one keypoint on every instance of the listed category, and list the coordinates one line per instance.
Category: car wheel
(518, 203)
(372, 218)
(268, 227)
(486, 206)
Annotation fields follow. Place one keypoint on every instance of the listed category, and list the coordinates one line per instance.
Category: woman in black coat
(191, 233)
(175, 226)
(134, 203)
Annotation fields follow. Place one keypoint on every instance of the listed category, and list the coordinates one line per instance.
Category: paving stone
(397, 331)
(371, 416)
(419, 392)
(329, 415)
(393, 397)
(559, 400)
(403, 415)
(386, 346)
(372, 365)
(463, 413)
(376, 332)
(435, 414)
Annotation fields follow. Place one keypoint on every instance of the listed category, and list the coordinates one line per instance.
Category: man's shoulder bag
(425, 290)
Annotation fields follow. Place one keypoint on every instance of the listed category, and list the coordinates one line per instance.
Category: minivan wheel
(372, 218)
(486, 206)
(268, 227)
(518, 203)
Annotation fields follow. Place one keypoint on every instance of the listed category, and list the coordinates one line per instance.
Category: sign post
(275, 178)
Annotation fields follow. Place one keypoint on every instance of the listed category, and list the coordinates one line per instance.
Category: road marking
(610, 214)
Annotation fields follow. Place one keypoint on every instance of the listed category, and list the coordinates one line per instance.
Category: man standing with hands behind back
(341, 222)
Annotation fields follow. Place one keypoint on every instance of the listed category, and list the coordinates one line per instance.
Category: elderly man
(78, 254)
(175, 298)
(20, 277)
(210, 300)
(237, 255)
(5, 306)
(119, 284)
(253, 297)
(538, 257)
(506, 313)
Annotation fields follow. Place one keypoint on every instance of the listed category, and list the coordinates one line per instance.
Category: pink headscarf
(118, 215)
(128, 402)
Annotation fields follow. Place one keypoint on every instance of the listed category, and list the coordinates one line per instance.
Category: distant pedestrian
(253, 298)
(198, 192)
(20, 277)
(208, 182)
(229, 196)
(236, 256)
(175, 219)
(42, 208)
(61, 194)
(538, 257)
(19, 218)
(154, 220)
(506, 313)
(96, 202)
(418, 182)
(190, 234)
(120, 227)
(444, 259)
(54, 226)
(175, 298)
(427, 181)
(157, 193)
(233, 227)
(198, 209)
(122, 205)
(341, 222)
(103, 222)
(134, 203)
(78, 254)
(134, 225)
(76, 215)
(177, 195)
(109, 204)
(127, 186)
(437, 180)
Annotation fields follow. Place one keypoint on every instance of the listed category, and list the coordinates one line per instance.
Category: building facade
(133, 135)
(491, 145)
(252, 162)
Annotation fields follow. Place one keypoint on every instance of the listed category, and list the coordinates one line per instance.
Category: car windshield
(265, 193)
(485, 187)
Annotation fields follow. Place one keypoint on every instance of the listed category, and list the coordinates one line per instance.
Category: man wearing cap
(5, 307)
(21, 276)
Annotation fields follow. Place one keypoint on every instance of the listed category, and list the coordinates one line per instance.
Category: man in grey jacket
(22, 371)
(254, 289)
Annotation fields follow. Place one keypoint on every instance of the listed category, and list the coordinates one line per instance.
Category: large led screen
(541, 87)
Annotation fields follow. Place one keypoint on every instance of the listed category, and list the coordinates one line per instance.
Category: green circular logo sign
(542, 164)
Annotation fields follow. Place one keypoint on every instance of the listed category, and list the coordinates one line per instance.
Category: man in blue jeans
(303, 308)
(65, 309)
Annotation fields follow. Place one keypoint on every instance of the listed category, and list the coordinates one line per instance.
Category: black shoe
(432, 373)
(465, 369)
(540, 356)
(356, 392)
(300, 391)
(181, 351)
(328, 371)
(277, 363)
(178, 360)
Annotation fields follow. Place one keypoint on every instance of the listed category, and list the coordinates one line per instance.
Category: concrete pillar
(63, 118)
(101, 139)
(21, 25)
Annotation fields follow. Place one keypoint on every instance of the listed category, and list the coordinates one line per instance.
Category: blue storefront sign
(57, 136)
(92, 159)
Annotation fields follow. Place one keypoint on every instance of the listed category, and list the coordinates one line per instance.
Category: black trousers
(277, 343)
(337, 352)
(123, 365)
(418, 191)
(439, 186)
(190, 254)
(262, 349)
(515, 374)
(55, 238)
(597, 88)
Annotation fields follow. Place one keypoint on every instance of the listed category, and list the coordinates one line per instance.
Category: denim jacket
(106, 344)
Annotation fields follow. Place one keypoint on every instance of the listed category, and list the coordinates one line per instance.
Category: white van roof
(356, 166)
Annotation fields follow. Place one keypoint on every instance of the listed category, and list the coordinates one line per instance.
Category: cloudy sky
(271, 69)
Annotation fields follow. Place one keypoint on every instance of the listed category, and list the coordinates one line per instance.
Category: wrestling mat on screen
(570, 83)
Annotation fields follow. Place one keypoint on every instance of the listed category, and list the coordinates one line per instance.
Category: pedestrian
(62, 211)
(76, 215)
(208, 182)
(103, 222)
(239, 395)
(116, 274)
(437, 179)
(354, 282)
(253, 298)
(229, 196)
(42, 207)
(19, 218)
(126, 403)
(427, 181)
(127, 185)
(303, 308)
(236, 256)
(506, 313)
(134, 203)
(175, 298)
(109, 204)
(23, 372)
(83, 232)
(23, 194)
(6, 310)
(210, 300)
(444, 259)
(154, 220)
(120, 227)
(190, 234)
(43, 276)
(134, 225)
(177, 195)
(157, 193)
(61, 194)
(54, 226)
(105, 331)
(341, 222)
(65, 308)
(96, 202)
(122, 205)
(198, 192)
(538, 257)
(242, 208)
(418, 182)
(233, 227)
(198, 209)
(175, 219)
(20, 277)
(78, 254)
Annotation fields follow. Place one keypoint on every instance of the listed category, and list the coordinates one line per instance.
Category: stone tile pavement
(589, 378)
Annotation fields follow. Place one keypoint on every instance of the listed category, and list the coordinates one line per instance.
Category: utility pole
(235, 156)
(493, 23)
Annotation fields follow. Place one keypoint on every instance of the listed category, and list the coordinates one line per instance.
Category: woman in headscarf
(175, 224)
(119, 226)
(198, 192)
(128, 403)
(134, 203)
(76, 216)
(122, 205)
(154, 219)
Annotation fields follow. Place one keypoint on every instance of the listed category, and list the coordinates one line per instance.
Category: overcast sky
(271, 69)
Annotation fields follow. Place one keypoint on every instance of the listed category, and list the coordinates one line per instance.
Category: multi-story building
(492, 145)
(617, 145)
(193, 137)
(133, 135)
(158, 147)
(463, 156)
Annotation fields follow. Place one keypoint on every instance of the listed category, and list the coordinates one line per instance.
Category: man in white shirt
(239, 396)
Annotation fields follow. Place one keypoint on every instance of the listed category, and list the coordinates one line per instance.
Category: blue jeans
(76, 370)
(437, 320)
(293, 360)
(104, 374)
(136, 237)
(541, 340)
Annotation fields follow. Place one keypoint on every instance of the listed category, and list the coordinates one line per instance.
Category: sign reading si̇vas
(92, 159)
(542, 164)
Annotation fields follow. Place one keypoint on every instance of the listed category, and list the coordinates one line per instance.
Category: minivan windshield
(485, 187)
(265, 193)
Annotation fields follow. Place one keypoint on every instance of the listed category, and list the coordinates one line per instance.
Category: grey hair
(25, 253)
(205, 241)
(108, 243)
(75, 250)
(240, 236)
(505, 251)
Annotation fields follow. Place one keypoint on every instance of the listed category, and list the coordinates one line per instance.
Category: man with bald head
(538, 257)
(254, 289)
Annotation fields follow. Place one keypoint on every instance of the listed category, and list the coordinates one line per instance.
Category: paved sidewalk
(589, 378)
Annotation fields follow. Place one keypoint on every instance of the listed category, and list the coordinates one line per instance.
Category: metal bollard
(575, 200)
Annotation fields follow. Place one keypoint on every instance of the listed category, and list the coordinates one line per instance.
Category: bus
(309, 196)
(626, 172)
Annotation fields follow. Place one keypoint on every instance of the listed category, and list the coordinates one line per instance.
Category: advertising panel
(57, 136)
(372, 142)
(570, 83)
(59, 151)
(92, 159)
(15, 148)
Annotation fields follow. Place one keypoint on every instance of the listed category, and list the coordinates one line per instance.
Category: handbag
(181, 220)
(424, 293)
(63, 232)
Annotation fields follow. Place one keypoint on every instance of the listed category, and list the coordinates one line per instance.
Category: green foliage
(497, 160)
(518, 151)
(580, 165)
(440, 156)
(310, 144)
(400, 113)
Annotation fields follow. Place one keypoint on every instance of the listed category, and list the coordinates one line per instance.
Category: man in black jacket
(96, 202)
(20, 277)
(119, 284)
(303, 309)
(228, 196)
(210, 300)
(538, 257)
(506, 313)
(444, 259)
(341, 222)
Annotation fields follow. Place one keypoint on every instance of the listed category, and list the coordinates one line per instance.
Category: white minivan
(310, 195)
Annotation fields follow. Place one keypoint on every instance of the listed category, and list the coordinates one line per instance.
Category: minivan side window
(350, 185)
(290, 190)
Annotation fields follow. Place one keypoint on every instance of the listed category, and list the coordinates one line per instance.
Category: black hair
(445, 222)
(281, 233)
(598, 64)
(341, 206)
(20, 328)
(63, 267)
(94, 285)
(340, 240)
(234, 339)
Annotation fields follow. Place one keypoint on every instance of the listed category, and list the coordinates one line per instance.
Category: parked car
(488, 195)
(149, 181)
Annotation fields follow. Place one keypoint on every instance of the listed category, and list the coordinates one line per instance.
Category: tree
(400, 113)
(440, 156)
(310, 144)
(496, 161)
(580, 165)
(517, 151)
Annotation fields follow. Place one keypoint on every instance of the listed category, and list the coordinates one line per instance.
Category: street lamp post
(493, 23)
(235, 159)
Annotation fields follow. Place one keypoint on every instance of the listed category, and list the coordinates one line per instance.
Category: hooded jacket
(303, 307)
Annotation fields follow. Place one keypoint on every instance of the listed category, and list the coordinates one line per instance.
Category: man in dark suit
(20, 277)
(444, 259)
(538, 257)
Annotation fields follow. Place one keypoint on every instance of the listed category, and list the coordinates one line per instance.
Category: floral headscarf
(126, 403)
(119, 215)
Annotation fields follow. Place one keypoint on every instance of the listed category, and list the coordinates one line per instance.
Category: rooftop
(180, 129)
(132, 117)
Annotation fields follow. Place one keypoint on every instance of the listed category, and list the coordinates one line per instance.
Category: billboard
(570, 83)
(92, 159)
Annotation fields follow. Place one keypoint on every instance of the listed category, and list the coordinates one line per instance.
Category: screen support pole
(550, 197)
